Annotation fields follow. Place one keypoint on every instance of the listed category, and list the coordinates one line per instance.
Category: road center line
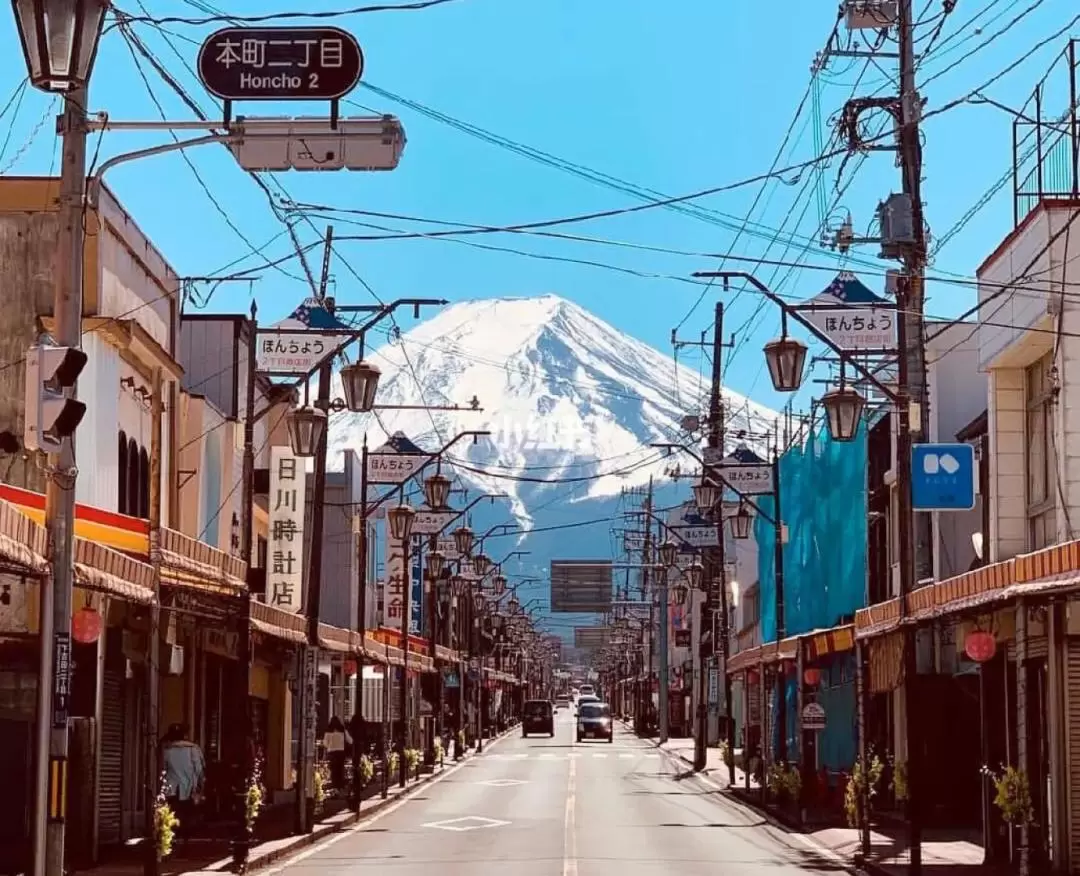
(569, 829)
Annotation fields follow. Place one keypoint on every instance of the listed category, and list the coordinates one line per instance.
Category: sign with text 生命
(280, 63)
(285, 553)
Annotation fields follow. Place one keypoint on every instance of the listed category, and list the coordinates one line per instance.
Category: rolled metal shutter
(111, 771)
(1072, 717)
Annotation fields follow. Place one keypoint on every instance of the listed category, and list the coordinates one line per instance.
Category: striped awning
(22, 541)
(104, 570)
(278, 623)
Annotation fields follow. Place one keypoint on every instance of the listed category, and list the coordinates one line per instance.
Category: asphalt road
(555, 807)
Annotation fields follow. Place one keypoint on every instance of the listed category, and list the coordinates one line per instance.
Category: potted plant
(459, 750)
(254, 797)
(899, 781)
(367, 770)
(165, 823)
(412, 761)
(862, 786)
(392, 763)
(1012, 795)
(320, 779)
(440, 752)
(785, 783)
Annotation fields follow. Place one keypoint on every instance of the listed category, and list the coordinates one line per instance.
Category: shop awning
(278, 623)
(1054, 569)
(107, 571)
(22, 541)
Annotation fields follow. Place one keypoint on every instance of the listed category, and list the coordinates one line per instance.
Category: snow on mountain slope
(565, 396)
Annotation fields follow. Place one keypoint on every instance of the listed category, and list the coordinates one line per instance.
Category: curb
(344, 821)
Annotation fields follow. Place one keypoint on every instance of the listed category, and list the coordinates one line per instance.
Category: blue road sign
(943, 477)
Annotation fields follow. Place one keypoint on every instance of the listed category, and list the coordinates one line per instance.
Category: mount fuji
(572, 405)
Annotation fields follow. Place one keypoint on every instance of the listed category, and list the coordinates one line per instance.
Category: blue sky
(674, 98)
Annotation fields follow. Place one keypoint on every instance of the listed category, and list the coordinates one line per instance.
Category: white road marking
(626, 755)
(599, 754)
(468, 822)
(570, 867)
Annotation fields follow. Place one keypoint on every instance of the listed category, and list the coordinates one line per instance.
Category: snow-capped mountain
(572, 403)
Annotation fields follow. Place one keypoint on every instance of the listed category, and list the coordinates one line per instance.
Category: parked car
(538, 717)
(594, 722)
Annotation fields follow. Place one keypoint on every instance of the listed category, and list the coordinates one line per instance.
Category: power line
(222, 18)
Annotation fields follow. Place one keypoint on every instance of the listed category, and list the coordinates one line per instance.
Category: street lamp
(436, 491)
(514, 605)
(678, 593)
(401, 522)
(844, 408)
(59, 40)
(741, 523)
(785, 358)
(435, 563)
(706, 496)
(458, 583)
(306, 426)
(499, 585)
(694, 574)
(482, 564)
(478, 601)
(463, 540)
(360, 381)
(668, 552)
(496, 621)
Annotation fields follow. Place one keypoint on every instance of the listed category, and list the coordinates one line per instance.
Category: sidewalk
(943, 853)
(215, 857)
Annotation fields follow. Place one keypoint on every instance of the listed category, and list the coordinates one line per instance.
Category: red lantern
(812, 676)
(752, 676)
(86, 626)
(980, 646)
(350, 668)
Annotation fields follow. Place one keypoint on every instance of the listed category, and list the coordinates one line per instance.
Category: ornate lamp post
(59, 40)
(785, 358)
(463, 540)
(360, 382)
(843, 408)
(669, 551)
(706, 496)
(436, 491)
(742, 522)
(305, 426)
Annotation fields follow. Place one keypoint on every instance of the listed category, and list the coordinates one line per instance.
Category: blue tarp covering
(824, 504)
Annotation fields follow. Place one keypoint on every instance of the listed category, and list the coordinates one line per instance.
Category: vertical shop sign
(285, 560)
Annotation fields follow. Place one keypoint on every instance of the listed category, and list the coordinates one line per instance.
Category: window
(1041, 458)
(122, 475)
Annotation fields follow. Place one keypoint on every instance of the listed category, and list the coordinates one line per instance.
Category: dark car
(539, 717)
(594, 722)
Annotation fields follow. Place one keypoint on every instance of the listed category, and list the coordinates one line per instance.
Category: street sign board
(813, 717)
(448, 547)
(280, 63)
(299, 343)
(749, 480)
(697, 536)
(387, 467)
(943, 477)
(431, 522)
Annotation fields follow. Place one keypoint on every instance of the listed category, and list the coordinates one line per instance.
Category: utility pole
(151, 864)
(305, 801)
(54, 685)
(911, 374)
(646, 582)
(715, 558)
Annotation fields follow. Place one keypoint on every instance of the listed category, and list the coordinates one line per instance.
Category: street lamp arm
(745, 497)
(845, 355)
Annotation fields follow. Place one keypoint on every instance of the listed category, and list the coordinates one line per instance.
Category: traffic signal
(50, 416)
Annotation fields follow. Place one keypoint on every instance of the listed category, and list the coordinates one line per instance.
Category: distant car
(539, 717)
(585, 699)
(587, 690)
(594, 722)
(562, 701)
